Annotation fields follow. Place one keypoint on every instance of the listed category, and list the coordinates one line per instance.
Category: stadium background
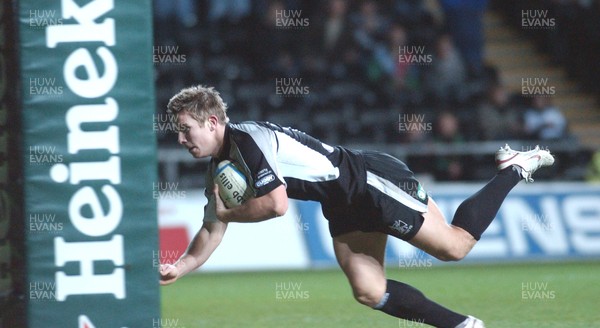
(440, 84)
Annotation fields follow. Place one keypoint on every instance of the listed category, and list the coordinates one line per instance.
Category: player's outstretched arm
(200, 249)
(268, 206)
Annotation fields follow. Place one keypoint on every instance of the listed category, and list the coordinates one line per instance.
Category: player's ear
(212, 122)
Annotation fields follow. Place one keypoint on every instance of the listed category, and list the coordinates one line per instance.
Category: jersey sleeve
(256, 148)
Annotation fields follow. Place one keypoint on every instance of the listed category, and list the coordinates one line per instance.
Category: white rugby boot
(471, 322)
(527, 161)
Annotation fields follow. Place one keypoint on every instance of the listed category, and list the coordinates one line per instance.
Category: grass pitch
(505, 296)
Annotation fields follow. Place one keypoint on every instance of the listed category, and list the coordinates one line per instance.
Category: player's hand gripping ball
(233, 185)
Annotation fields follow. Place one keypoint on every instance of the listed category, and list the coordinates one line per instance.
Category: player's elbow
(280, 208)
(278, 202)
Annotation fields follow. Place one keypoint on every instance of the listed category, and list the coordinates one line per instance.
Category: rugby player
(365, 196)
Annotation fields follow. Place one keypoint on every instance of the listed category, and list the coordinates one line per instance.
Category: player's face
(198, 138)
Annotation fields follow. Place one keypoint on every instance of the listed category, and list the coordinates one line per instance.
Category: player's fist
(220, 208)
(168, 274)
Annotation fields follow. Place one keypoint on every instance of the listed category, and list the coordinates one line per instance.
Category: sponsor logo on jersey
(264, 180)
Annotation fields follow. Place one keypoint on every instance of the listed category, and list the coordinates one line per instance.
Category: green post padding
(89, 163)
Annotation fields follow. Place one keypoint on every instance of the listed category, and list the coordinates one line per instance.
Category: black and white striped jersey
(271, 155)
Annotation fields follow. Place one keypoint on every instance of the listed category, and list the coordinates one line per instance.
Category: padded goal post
(89, 163)
(11, 225)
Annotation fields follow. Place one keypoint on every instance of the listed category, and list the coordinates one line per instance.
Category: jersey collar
(224, 153)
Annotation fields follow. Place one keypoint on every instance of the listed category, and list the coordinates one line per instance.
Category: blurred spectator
(544, 121)
(414, 127)
(369, 23)
(447, 128)
(397, 38)
(270, 44)
(370, 28)
(405, 78)
(414, 136)
(446, 76)
(434, 9)
(498, 115)
(172, 18)
(330, 46)
(412, 12)
(228, 11)
(285, 65)
(175, 12)
(334, 33)
(464, 19)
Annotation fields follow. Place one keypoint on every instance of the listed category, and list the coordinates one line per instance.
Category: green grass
(563, 295)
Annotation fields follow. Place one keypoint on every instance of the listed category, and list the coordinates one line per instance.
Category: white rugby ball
(233, 185)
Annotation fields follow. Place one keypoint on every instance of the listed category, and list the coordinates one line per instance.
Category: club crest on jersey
(401, 226)
(264, 180)
(421, 193)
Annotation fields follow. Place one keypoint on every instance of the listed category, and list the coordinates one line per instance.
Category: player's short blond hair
(200, 102)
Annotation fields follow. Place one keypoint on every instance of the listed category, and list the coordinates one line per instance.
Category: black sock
(406, 302)
(476, 213)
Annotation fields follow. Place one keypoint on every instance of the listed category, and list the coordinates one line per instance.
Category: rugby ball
(233, 185)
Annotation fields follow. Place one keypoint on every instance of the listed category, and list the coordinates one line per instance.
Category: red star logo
(84, 322)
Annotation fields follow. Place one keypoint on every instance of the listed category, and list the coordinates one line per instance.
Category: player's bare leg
(452, 242)
(444, 241)
(361, 254)
(361, 257)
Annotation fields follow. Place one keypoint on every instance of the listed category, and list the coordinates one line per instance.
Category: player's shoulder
(259, 132)
(252, 127)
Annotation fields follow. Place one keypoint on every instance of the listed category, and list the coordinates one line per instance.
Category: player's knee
(451, 254)
(369, 296)
(455, 255)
